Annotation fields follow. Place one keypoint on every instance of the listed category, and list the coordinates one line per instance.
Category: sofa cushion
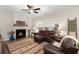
(67, 42)
(44, 33)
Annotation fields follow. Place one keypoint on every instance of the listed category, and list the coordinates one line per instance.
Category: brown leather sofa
(43, 36)
(67, 47)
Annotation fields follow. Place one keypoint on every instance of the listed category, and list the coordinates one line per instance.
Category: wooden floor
(0, 44)
(0, 47)
(25, 46)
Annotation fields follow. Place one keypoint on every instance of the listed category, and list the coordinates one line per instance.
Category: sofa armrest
(71, 50)
(52, 49)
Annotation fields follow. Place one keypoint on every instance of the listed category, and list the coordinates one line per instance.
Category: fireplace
(20, 33)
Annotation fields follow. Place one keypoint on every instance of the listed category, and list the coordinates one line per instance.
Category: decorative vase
(12, 37)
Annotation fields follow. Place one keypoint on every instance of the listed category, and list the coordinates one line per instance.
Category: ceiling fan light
(31, 11)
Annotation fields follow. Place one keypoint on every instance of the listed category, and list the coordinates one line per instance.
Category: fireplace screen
(20, 33)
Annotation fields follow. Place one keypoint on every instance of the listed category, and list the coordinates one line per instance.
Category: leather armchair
(67, 47)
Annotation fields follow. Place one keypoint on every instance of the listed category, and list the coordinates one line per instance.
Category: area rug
(26, 46)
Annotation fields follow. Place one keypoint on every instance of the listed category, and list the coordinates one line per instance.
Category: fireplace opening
(20, 33)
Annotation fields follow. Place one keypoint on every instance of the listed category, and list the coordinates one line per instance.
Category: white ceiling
(44, 9)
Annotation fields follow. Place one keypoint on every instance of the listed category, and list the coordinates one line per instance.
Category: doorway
(72, 27)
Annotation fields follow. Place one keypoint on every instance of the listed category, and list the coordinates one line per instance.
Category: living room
(28, 23)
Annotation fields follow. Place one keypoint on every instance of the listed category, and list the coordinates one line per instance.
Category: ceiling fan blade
(37, 9)
(25, 9)
(29, 6)
(35, 12)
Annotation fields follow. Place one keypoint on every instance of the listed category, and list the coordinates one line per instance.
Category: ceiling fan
(31, 9)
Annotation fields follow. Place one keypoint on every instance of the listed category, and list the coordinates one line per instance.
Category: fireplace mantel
(20, 27)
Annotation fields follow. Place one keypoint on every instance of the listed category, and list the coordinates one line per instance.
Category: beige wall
(6, 23)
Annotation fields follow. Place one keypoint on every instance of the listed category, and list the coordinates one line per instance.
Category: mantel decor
(20, 23)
